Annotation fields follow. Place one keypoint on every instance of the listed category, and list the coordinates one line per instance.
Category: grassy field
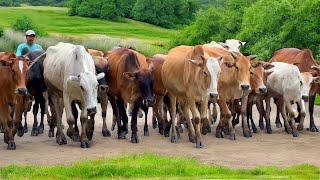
(55, 20)
(148, 166)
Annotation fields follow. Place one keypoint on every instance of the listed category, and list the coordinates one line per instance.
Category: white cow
(232, 45)
(289, 85)
(70, 75)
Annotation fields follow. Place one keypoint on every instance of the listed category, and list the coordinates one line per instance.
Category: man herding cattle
(29, 46)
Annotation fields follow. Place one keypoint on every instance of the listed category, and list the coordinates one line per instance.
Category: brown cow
(130, 81)
(159, 90)
(14, 93)
(306, 63)
(234, 83)
(187, 75)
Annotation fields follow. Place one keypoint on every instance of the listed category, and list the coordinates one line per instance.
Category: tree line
(165, 13)
(33, 2)
(265, 25)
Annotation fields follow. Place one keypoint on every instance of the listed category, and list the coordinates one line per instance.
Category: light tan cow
(234, 83)
(187, 76)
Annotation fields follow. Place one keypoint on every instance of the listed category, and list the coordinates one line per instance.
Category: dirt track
(279, 148)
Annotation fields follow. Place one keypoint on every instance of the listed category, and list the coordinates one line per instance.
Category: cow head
(240, 70)
(101, 66)
(19, 68)
(257, 71)
(143, 79)
(305, 84)
(234, 45)
(88, 84)
(210, 70)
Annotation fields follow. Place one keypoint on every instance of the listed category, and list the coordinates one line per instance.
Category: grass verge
(154, 167)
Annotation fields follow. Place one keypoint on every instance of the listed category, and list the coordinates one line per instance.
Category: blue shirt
(30, 48)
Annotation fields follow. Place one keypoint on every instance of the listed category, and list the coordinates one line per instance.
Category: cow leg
(302, 114)
(295, 132)
(250, 118)
(1, 128)
(58, 106)
(74, 134)
(223, 111)
(268, 109)
(35, 130)
(196, 117)
(313, 127)
(262, 113)
(84, 140)
(17, 125)
(278, 122)
(174, 134)
(5, 119)
(180, 119)
(245, 127)
(52, 120)
(185, 112)
(43, 111)
(115, 111)
(104, 103)
(122, 130)
(29, 105)
(283, 112)
(146, 128)
(134, 128)
(214, 113)
(158, 113)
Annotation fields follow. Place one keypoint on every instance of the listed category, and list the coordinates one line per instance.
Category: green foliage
(25, 23)
(33, 2)
(8, 3)
(148, 166)
(166, 13)
(265, 25)
(1, 31)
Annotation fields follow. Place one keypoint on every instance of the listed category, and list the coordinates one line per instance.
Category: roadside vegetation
(155, 167)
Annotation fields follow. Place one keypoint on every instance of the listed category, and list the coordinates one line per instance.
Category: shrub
(1, 31)
(25, 23)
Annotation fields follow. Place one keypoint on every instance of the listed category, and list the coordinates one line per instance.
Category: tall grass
(11, 39)
(155, 167)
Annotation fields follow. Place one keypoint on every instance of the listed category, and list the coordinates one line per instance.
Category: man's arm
(19, 51)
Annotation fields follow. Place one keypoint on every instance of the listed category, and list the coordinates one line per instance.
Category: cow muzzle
(263, 90)
(92, 111)
(305, 98)
(149, 102)
(213, 95)
(245, 87)
(22, 92)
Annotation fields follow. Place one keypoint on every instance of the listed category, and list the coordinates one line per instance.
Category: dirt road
(279, 148)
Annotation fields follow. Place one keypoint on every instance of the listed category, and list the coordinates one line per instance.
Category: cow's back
(303, 59)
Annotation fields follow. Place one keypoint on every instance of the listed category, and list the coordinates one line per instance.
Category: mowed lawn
(55, 20)
(148, 166)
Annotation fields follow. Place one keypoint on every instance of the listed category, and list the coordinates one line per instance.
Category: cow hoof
(295, 133)
(179, 128)
(219, 135)
(161, 130)
(261, 125)
(254, 129)
(85, 145)
(51, 133)
(11, 145)
(269, 130)
(20, 131)
(226, 131)
(288, 130)
(75, 138)
(232, 136)
(174, 139)
(134, 138)
(106, 133)
(206, 129)
(25, 128)
(279, 125)
(166, 133)
(247, 133)
(300, 127)
(146, 133)
(40, 129)
(35, 131)
(154, 123)
(192, 138)
(90, 135)
(199, 144)
(122, 135)
(313, 129)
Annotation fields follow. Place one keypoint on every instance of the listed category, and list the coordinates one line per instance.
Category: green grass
(55, 20)
(317, 101)
(152, 166)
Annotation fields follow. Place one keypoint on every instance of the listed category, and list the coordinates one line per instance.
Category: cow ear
(129, 75)
(195, 62)
(252, 57)
(100, 76)
(242, 43)
(268, 66)
(74, 78)
(316, 80)
(5, 63)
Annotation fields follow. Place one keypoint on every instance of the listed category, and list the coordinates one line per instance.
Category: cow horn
(252, 57)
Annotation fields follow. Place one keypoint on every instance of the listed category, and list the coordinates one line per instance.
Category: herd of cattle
(188, 79)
